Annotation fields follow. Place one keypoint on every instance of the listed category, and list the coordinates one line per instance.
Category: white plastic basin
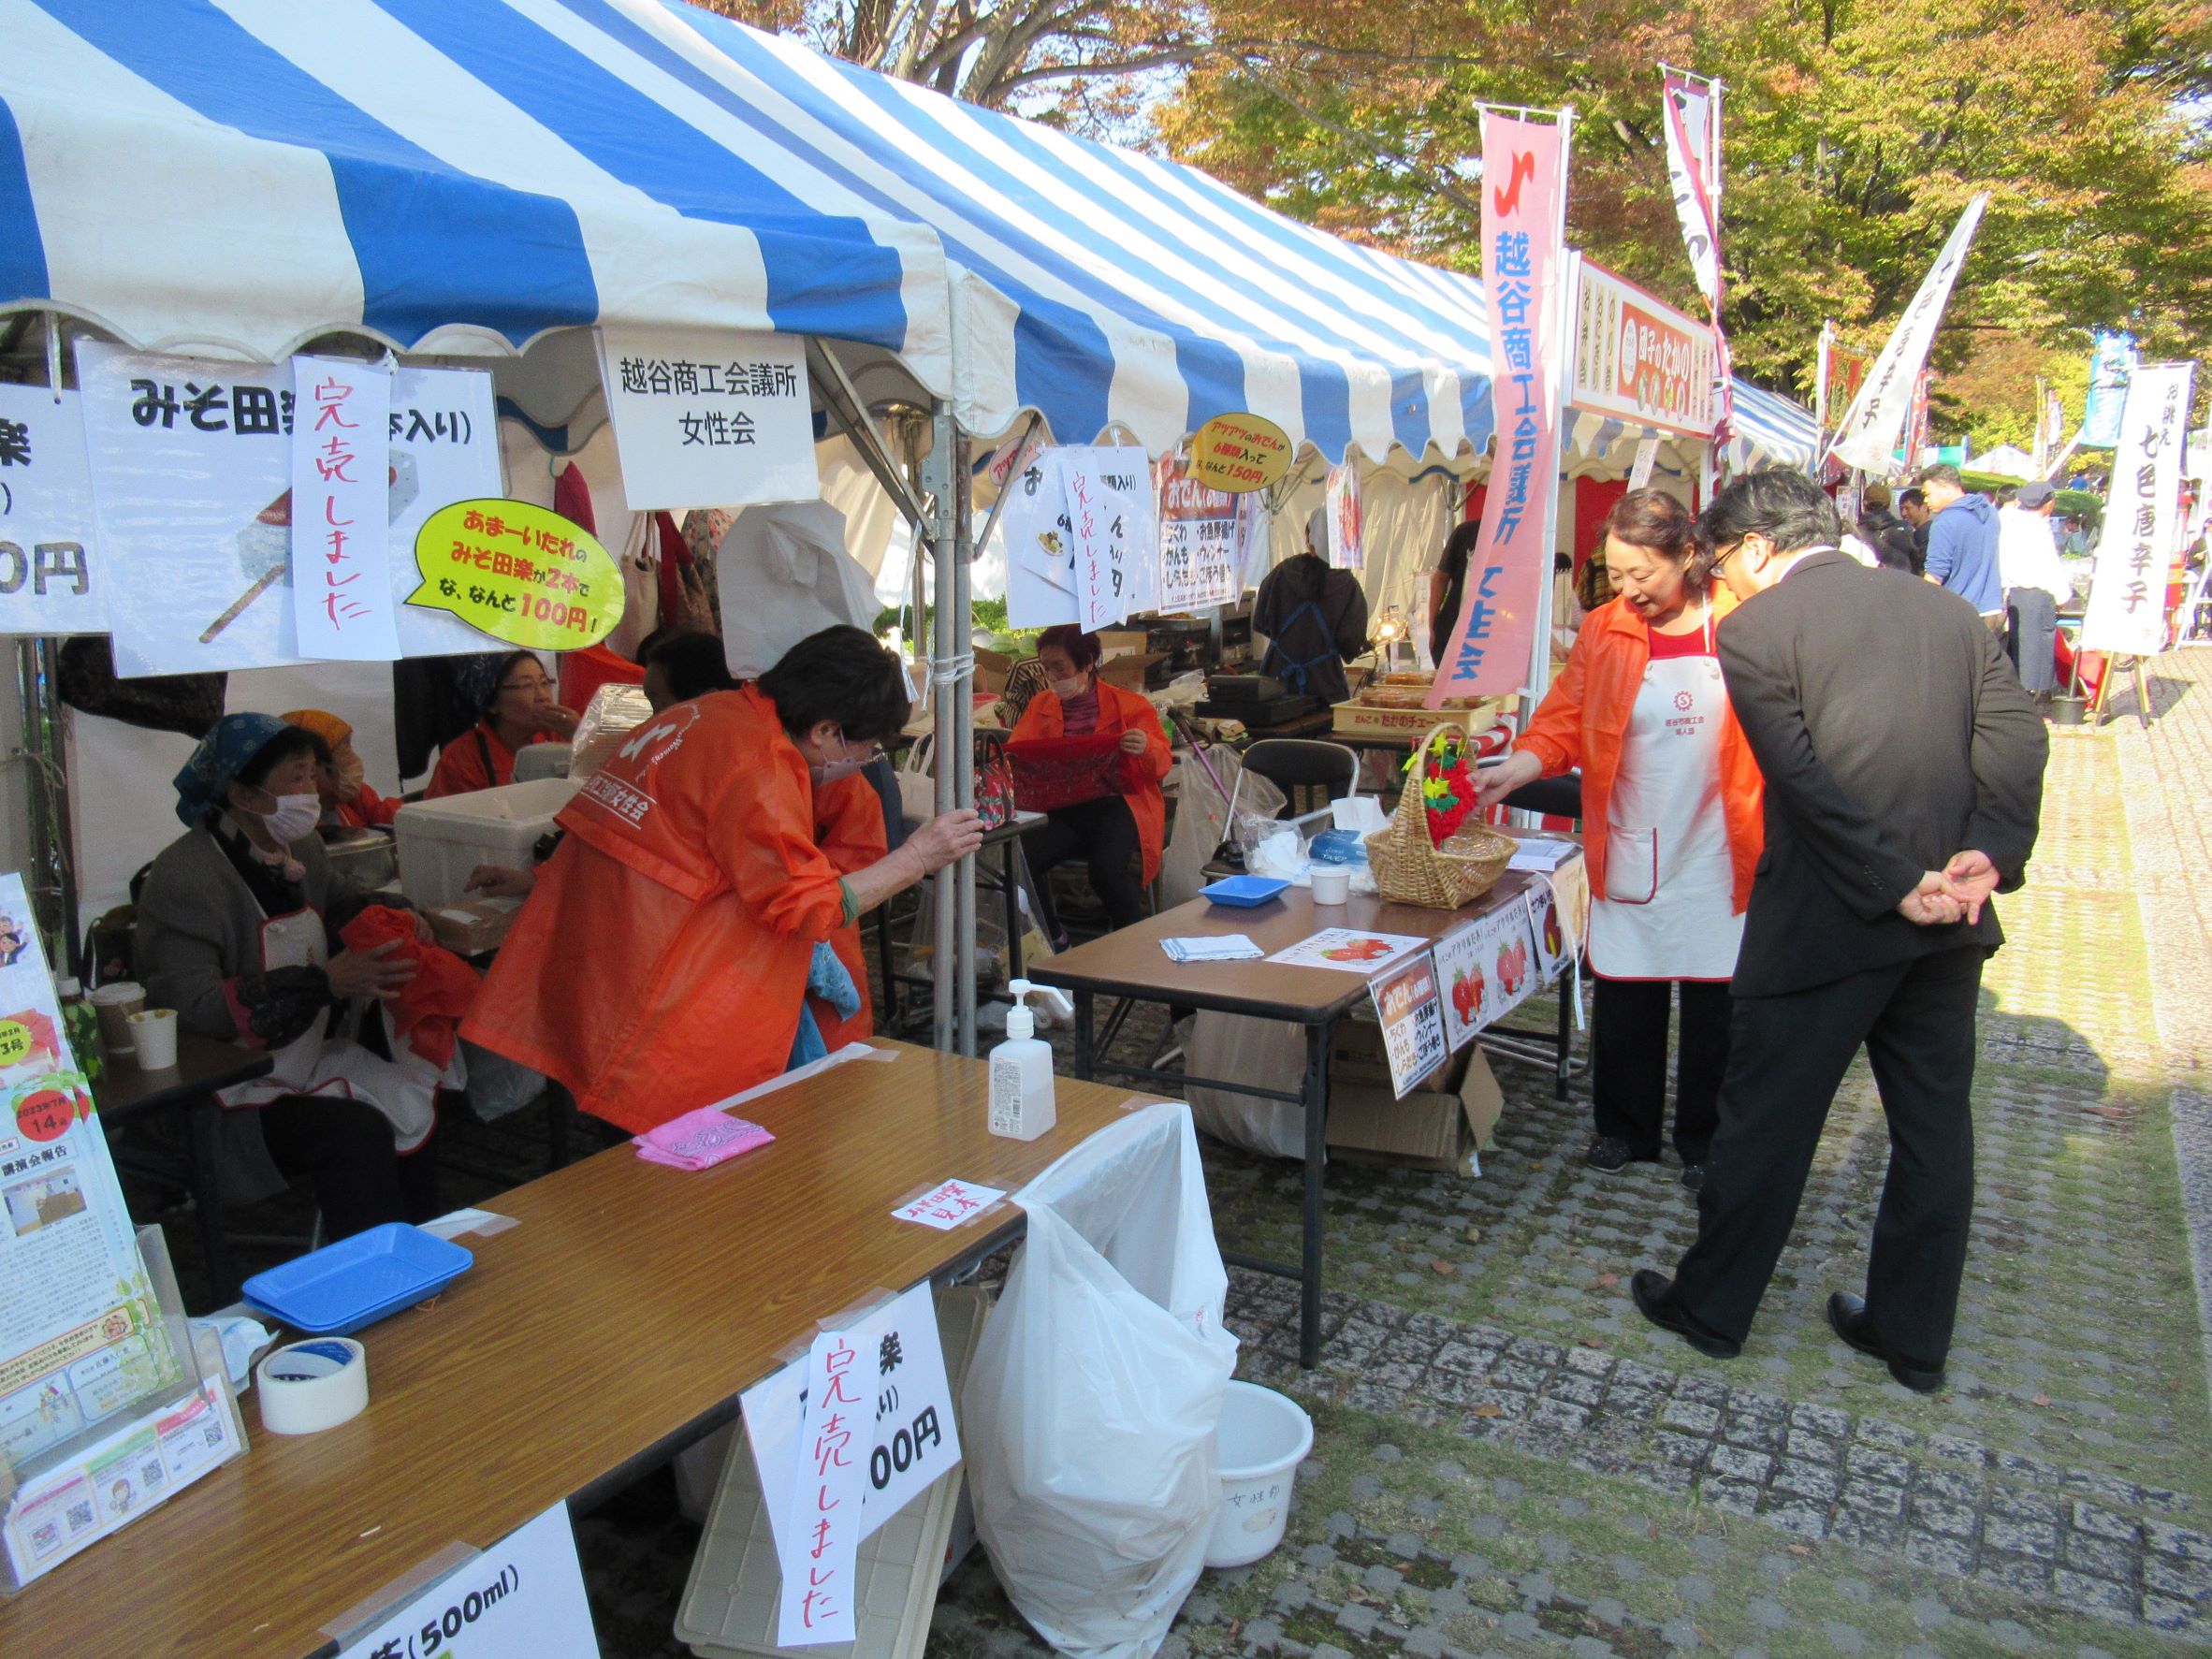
(1262, 1439)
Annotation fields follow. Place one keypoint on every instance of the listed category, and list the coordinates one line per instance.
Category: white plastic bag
(1090, 1411)
(1265, 1054)
(1201, 815)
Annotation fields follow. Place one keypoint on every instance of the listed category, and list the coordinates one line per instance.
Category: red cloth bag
(1050, 773)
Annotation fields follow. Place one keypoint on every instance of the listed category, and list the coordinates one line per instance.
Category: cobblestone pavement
(1508, 1462)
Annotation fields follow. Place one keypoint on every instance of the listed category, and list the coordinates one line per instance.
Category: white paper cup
(1333, 883)
(154, 1030)
(115, 1004)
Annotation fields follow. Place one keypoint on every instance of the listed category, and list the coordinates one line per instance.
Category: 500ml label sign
(459, 1615)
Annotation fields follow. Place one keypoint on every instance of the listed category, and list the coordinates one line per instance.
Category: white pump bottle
(1021, 1106)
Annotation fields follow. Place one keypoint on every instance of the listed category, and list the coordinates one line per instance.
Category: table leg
(888, 1019)
(1570, 986)
(1008, 850)
(201, 1127)
(1085, 1007)
(1317, 1142)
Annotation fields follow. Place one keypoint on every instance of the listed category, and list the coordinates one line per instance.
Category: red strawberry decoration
(1466, 996)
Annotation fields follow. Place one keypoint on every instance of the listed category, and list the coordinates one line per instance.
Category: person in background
(237, 931)
(2035, 586)
(1447, 584)
(1119, 836)
(679, 666)
(348, 801)
(1962, 543)
(663, 961)
(2076, 541)
(1315, 619)
(514, 693)
(1671, 823)
(1903, 770)
(1911, 506)
(1892, 539)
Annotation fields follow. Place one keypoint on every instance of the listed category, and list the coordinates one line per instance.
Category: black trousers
(1104, 833)
(1786, 1057)
(344, 1149)
(1628, 1063)
(2031, 637)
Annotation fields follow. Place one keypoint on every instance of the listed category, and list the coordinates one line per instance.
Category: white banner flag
(2128, 594)
(1867, 434)
(1686, 113)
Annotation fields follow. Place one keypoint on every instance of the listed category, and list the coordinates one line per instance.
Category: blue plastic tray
(341, 1288)
(1243, 891)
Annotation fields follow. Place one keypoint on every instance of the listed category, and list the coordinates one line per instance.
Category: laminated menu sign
(1412, 1016)
(709, 417)
(1200, 540)
(523, 1596)
(897, 1438)
(52, 579)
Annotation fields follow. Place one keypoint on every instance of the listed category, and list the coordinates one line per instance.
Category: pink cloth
(699, 1140)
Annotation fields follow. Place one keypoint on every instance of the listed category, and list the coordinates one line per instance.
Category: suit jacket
(1892, 734)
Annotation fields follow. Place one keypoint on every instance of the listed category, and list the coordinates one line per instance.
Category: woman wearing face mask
(1671, 817)
(237, 931)
(514, 694)
(1116, 834)
(341, 781)
(664, 959)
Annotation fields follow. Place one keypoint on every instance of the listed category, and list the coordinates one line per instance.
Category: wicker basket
(1410, 869)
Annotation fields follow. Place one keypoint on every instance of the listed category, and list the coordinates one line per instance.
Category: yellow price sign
(15, 1042)
(1239, 453)
(518, 571)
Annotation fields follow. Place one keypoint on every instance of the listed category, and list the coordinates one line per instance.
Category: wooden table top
(202, 1064)
(632, 1302)
(1131, 962)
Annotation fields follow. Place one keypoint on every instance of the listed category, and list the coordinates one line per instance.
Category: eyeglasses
(539, 684)
(1723, 556)
(867, 757)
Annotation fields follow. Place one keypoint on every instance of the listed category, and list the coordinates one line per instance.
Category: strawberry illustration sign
(1351, 949)
(1488, 967)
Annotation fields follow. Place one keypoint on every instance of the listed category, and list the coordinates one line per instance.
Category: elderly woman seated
(245, 931)
(341, 778)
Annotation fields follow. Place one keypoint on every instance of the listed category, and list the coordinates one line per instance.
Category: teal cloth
(826, 978)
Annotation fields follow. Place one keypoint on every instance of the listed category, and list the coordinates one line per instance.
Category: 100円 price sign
(521, 1599)
(518, 571)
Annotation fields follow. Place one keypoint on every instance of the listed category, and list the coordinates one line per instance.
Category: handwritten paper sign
(51, 578)
(523, 1598)
(1412, 1016)
(1647, 452)
(1040, 544)
(946, 1206)
(1200, 540)
(341, 579)
(1239, 453)
(710, 418)
(517, 571)
(1112, 532)
(444, 448)
(818, 1590)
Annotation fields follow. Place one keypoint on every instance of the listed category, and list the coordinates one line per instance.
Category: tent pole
(935, 473)
(53, 884)
(963, 699)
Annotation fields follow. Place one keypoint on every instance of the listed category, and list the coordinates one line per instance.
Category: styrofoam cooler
(441, 841)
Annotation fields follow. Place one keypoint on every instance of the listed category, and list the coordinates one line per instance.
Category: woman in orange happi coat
(661, 962)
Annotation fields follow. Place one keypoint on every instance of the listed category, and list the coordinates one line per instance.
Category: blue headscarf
(221, 756)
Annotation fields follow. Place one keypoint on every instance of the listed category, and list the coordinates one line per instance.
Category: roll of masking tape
(308, 1387)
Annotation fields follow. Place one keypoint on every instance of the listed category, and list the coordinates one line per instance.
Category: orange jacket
(462, 764)
(367, 810)
(1584, 716)
(660, 962)
(848, 829)
(1119, 711)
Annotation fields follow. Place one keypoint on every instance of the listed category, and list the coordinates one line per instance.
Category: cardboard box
(1128, 671)
(1122, 642)
(1443, 1125)
(1354, 720)
(991, 669)
(473, 926)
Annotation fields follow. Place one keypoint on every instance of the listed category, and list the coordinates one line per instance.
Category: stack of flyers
(1229, 947)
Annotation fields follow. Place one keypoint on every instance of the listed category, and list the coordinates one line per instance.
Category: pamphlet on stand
(105, 1406)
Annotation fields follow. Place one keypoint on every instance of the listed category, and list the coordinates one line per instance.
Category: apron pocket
(1632, 865)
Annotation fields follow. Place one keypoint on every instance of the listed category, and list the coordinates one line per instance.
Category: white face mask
(845, 765)
(1068, 690)
(295, 815)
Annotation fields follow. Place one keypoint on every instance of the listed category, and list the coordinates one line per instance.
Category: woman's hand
(558, 719)
(1132, 742)
(947, 838)
(367, 973)
(1492, 784)
(499, 880)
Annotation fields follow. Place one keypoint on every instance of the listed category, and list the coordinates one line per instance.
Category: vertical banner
(1523, 263)
(2128, 593)
(1870, 429)
(1690, 116)
(342, 567)
(1347, 530)
(1200, 561)
(2112, 363)
(51, 578)
(1916, 424)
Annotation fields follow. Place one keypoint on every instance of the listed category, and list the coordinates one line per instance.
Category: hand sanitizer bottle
(1021, 1105)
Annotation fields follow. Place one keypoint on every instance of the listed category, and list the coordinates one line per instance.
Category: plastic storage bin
(441, 841)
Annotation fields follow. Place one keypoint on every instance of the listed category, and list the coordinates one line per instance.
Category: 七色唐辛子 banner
(2127, 609)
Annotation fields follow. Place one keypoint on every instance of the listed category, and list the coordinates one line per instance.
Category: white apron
(403, 1089)
(1666, 912)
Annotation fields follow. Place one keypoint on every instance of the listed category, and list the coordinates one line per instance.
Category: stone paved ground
(1508, 1462)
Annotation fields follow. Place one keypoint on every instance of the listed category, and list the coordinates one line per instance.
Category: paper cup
(154, 1032)
(1333, 883)
(115, 1004)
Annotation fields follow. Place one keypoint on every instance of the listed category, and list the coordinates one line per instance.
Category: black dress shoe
(1654, 1298)
(1847, 1317)
(1694, 1177)
(1608, 1153)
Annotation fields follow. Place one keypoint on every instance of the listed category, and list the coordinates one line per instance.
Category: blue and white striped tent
(464, 175)
(1770, 431)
